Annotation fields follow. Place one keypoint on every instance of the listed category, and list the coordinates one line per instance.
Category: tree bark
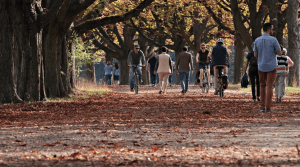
(90, 72)
(293, 41)
(124, 71)
(238, 59)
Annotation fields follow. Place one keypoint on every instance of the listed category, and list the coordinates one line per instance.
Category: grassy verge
(83, 90)
(288, 89)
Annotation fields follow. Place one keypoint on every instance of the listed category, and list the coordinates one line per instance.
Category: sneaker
(170, 85)
(182, 91)
(254, 100)
(262, 110)
(258, 99)
(132, 90)
(160, 92)
(279, 99)
(141, 81)
(269, 111)
(276, 99)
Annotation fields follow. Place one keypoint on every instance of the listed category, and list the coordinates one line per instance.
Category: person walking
(170, 76)
(282, 71)
(136, 58)
(108, 71)
(184, 66)
(116, 72)
(164, 68)
(203, 58)
(253, 74)
(220, 58)
(150, 68)
(265, 49)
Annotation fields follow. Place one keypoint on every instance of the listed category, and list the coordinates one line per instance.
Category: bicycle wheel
(221, 91)
(136, 84)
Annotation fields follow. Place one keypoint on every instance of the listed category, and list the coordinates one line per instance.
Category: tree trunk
(90, 72)
(238, 59)
(293, 41)
(18, 53)
(52, 61)
(124, 72)
(65, 66)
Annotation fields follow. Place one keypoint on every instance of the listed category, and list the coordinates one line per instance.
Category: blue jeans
(152, 77)
(186, 73)
(108, 79)
(132, 71)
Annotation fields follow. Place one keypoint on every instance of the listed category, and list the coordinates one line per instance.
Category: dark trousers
(254, 79)
(152, 77)
(170, 79)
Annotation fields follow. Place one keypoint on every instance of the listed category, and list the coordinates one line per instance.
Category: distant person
(220, 58)
(203, 58)
(265, 49)
(170, 76)
(136, 59)
(164, 68)
(282, 71)
(253, 74)
(108, 71)
(116, 72)
(150, 68)
(184, 66)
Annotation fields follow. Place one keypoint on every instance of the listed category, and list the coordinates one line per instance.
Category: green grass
(288, 89)
(82, 91)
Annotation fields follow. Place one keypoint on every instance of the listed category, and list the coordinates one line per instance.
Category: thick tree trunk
(124, 72)
(238, 59)
(65, 74)
(18, 53)
(293, 41)
(52, 61)
(90, 72)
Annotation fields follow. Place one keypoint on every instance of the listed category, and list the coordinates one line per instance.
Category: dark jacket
(219, 55)
(137, 59)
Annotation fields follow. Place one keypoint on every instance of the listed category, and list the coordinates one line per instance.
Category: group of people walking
(164, 66)
(112, 71)
(268, 68)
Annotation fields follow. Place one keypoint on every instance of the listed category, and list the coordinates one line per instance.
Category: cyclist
(220, 58)
(203, 56)
(136, 58)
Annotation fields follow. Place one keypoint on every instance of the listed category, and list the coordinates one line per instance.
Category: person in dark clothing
(136, 57)
(253, 74)
(220, 58)
(150, 67)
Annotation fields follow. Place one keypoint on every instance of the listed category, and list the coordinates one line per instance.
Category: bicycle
(205, 83)
(136, 80)
(221, 81)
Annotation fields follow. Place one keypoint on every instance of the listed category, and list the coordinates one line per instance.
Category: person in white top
(164, 68)
(282, 70)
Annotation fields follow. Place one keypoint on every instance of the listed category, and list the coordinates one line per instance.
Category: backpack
(253, 62)
(244, 81)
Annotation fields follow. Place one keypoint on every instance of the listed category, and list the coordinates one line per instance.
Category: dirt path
(149, 129)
